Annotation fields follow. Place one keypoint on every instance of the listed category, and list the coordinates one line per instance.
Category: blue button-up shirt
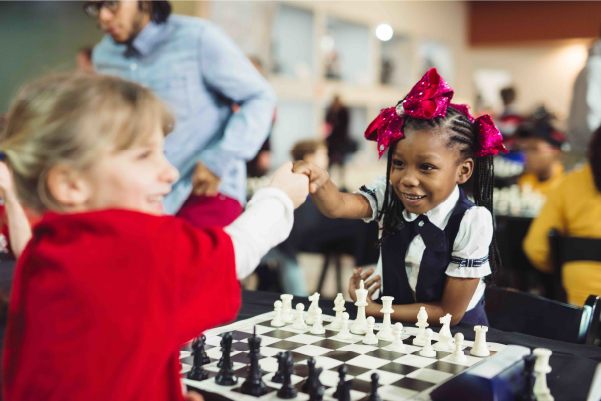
(199, 72)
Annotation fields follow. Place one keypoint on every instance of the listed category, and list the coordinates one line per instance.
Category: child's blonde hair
(70, 119)
(306, 147)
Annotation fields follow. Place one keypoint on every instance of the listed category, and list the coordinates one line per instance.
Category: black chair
(520, 312)
(570, 249)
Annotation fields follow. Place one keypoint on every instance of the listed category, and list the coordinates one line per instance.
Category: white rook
(480, 348)
(287, 308)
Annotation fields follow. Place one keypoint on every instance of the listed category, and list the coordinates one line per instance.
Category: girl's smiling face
(425, 170)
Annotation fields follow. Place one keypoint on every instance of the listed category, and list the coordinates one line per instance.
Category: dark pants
(477, 315)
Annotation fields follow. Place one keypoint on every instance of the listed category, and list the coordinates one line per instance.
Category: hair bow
(429, 98)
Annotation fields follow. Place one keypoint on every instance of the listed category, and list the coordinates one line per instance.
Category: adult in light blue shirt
(200, 73)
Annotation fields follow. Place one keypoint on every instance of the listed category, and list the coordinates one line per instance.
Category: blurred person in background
(585, 110)
(574, 209)
(510, 119)
(83, 59)
(339, 141)
(541, 144)
(200, 72)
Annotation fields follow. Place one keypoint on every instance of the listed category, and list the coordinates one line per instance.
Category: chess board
(403, 375)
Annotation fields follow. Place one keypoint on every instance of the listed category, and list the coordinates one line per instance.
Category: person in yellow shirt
(541, 143)
(574, 209)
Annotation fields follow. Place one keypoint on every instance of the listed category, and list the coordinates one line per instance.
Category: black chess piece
(374, 396)
(345, 392)
(341, 382)
(287, 391)
(226, 375)
(317, 394)
(529, 377)
(198, 373)
(308, 384)
(278, 377)
(203, 341)
(253, 385)
(220, 363)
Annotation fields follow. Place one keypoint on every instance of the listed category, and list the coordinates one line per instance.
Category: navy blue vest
(436, 259)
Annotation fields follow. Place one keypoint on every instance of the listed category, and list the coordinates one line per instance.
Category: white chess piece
(360, 324)
(312, 308)
(445, 339)
(344, 333)
(278, 321)
(422, 323)
(370, 338)
(458, 355)
(338, 308)
(541, 369)
(428, 350)
(397, 344)
(299, 323)
(317, 326)
(287, 308)
(385, 332)
(480, 348)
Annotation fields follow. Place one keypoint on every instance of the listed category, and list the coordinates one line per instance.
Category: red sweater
(102, 302)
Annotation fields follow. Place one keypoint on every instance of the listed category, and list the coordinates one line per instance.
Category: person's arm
(228, 72)
(536, 243)
(19, 230)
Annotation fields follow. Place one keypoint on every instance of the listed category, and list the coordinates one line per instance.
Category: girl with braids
(436, 245)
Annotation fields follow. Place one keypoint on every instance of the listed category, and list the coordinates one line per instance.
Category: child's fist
(317, 175)
(296, 186)
(371, 286)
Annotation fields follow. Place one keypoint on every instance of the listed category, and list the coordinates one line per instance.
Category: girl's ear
(465, 170)
(67, 186)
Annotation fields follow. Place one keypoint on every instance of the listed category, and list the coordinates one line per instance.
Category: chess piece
(397, 344)
(287, 308)
(370, 338)
(445, 339)
(287, 391)
(359, 326)
(480, 348)
(541, 369)
(458, 355)
(200, 358)
(344, 333)
(428, 350)
(317, 325)
(374, 388)
(253, 385)
(528, 374)
(299, 323)
(312, 382)
(312, 308)
(226, 375)
(278, 320)
(385, 332)
(278, 377)
(341, 387)
(338, 308)
(422, 323)
(317, 394)
(220, 363)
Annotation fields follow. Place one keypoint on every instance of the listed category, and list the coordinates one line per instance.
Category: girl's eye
(427, 167)
(397, 163)
(144, 155)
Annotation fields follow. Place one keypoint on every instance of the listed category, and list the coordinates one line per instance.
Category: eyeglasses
(92, 8)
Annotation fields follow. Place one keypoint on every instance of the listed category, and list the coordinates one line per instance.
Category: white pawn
(370, 338)
(317, 326)
(541, 369)
(445, 339)
(480, 348)
(422, 323)
(277, 320)
(287, 308)
(344, 333)
(385, 332)
(458, 355)
(397, 344)
(299, 323)
(312, 308)
(338, 308)
(428, 350)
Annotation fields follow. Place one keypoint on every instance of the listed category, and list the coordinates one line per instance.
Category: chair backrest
(516, 311)
(570, 249)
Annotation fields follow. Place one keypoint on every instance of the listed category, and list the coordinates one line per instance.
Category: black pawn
(203, 340)
(529, 377)
(197, 372)
(308, 384)
(317, 394)
(226, 375)
(374, 388)
(287, 391)
(253, 385)
(341, 382)
(278, 377)
(220, 363)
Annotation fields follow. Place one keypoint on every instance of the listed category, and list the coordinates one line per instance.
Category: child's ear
(466, 168)
(67, 186)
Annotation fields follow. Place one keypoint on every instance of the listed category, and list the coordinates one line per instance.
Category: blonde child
(108, 289)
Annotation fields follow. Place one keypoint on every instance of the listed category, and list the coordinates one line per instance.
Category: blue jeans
(291, 274)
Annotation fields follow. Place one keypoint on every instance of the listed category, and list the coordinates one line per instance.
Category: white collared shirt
(472, 241)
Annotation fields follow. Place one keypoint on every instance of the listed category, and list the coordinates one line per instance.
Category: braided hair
(462, 136)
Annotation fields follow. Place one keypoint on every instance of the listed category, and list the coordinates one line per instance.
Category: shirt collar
(439, 215)
(147, 39)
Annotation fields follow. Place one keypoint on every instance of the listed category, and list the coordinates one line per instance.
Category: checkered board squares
(403, 375)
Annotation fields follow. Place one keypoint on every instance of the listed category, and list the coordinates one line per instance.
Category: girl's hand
(294, 185)
(372, 285)
(317, 176)
(193, 396)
